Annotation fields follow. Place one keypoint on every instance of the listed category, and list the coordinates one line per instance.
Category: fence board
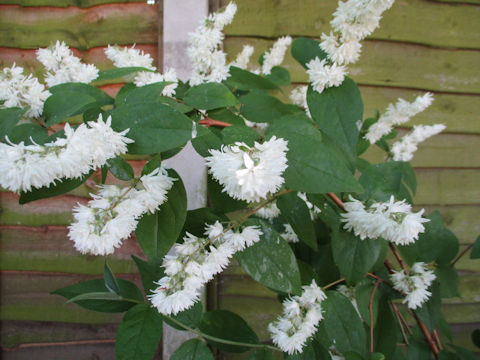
(438, 24)
(29, 28)
(66, 3)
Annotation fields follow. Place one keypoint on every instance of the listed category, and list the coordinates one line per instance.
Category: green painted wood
(394, 64)
(49, 249)
(462, 313)
(26, 296)
(443, 150)
(14, 333)
(448, 186)
(101, 351)
(65, 3)
(416, 21)
(29, 28)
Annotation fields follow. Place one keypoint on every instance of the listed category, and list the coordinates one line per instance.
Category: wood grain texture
(392, 64)
(65, 3)
(437, 24)
(30, 28)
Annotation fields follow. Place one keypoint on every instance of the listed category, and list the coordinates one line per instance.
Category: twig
(398, 257)
(370, 311)
(461, 254)
(333, 284)
(437, 339)
(211, 122)
(427, 335)
(403, 319)
(388, 266)
(400, 324)
(337, 201)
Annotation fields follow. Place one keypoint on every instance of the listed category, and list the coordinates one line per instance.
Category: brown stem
(400, 324)
(388, 266)
(370, 311)
(398, 257)
(403, 319)
(333, 284)
(337, 201)
(211, 122)
(427, 335)
(437, 339)
(461, 254)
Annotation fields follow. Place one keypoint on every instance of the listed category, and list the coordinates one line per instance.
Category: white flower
(18, 90)
(131, 57)
(208, 60)
(397, 114)
(196, 261)
(289, 234)
(414, 285)
(391, 220)
(23, 167)
(275, 55)
(269, 211)
(299, 321)
(114, 212)
(243, 57)
(64, 67)
(324, 76)
(298, 96)
(342, 53)
(250, 173)
(314, 209)
(403, 149)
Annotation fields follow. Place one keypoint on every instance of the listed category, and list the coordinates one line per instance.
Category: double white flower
(114, 212)
(414, 285)
(250, 173)
(393, 221)
(195, 262)
(23, 167)
(403, 149)
(299, 321)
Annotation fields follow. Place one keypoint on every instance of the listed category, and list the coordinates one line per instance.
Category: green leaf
(100, 96)
(279, 76)
(118, 73)
(353, 256)
(464, 354)
(297, 214)
(152, 164)
(226, 115)
(220, 200)
(139, 333)
(476, 337)
(429, 313)
(110, 281)
(383, 180)
(26, 132)
(342, 324)
(8, 119)
(60, 187)
(123, 93)
(304, 50)
(154, 127)
(190, 317)
(227, 325)
(385, 333)
(144, 94)
(447, 277)
(436, 243)
(120, 168)
(240, 79)
(156, 233)
(271, 261)
(336, 111)
(116, 303)
(363, 292)
(149, 272)
(475, 253)
(260, 354)
(243, 133)
(260, 107)
(210, 96)
(312, 166)
(193, 349)
(206, 140)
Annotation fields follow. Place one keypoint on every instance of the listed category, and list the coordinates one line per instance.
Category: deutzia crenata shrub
(358, 270)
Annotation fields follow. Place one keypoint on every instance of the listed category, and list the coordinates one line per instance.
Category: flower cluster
(83, 149)
(250, 173)
(403, 149)
(393, 221)
(64, 67)
(298, 96)
(301, 315)
(207, 59)
(243, 57)
(397, 114)
(131, 57)
(18, 90)
(114, 212)
(414, 285)
(269, 211)
(275, 55)
(352, 21)
(289, 234)
(195, 262)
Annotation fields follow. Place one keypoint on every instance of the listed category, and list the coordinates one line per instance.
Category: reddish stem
(370, 311)
(337, 201)
(333, 284)
(211, 122)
